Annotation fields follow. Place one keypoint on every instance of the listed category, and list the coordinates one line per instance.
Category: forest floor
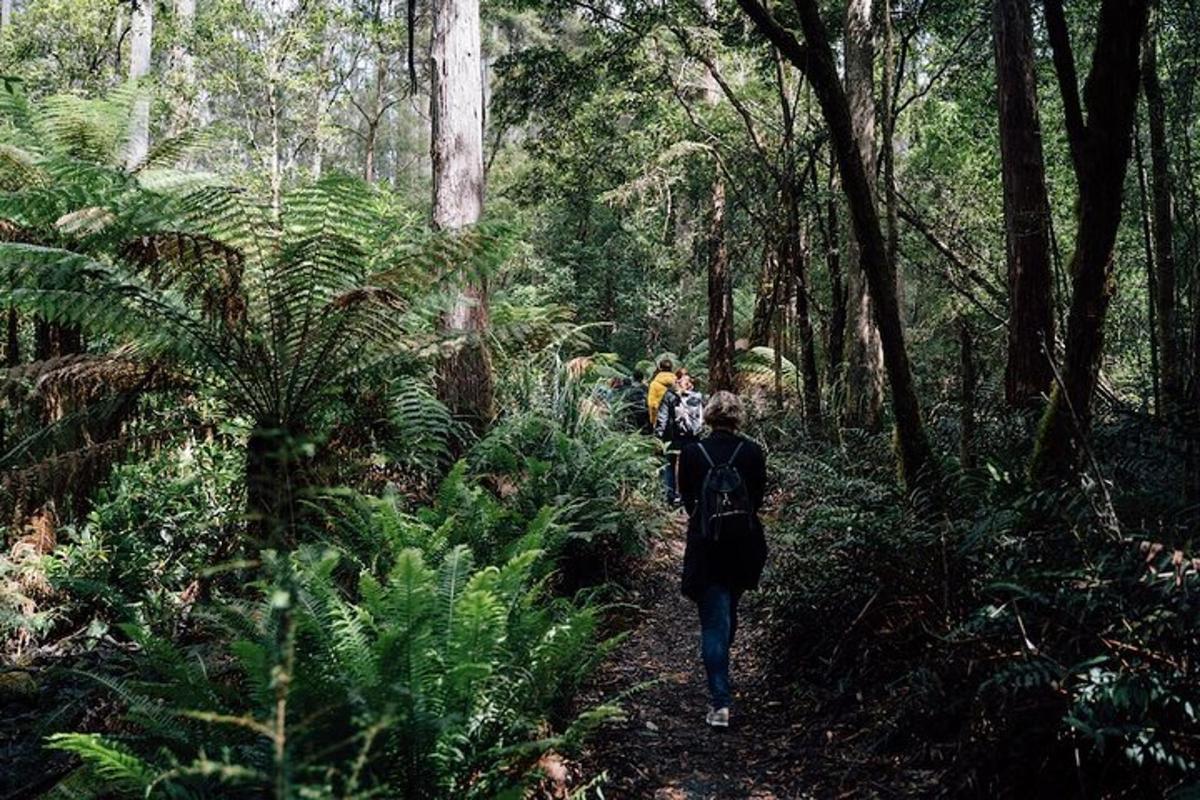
(782, 744)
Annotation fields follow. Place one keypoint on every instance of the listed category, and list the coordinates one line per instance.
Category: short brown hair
(724, 410)
(666, 365)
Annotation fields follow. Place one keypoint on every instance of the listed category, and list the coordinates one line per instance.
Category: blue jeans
(718, 624)
(668, 478)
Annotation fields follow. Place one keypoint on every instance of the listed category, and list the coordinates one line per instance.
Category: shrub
(416, 681)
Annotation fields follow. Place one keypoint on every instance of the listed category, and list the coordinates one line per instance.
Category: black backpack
(671, 431)
(725, 512)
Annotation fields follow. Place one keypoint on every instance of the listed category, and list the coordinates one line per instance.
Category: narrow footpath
(782, 743)
(663, 750)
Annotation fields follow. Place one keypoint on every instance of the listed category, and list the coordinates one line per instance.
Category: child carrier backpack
(725, 512)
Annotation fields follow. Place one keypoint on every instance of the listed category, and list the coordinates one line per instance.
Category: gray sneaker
(718, 718)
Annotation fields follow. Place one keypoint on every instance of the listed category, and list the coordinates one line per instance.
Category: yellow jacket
(654, 395)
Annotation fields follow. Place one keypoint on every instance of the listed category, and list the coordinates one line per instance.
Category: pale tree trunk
(1028, 374)
(465, 382)
(5, 14)
(1164, 227)
(318, 150)
(142, 33)
(919, 468)
(376, 119)
(864, 379)
(1100, 149)
(183, 65)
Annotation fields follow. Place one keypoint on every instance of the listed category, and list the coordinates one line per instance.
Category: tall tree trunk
(969, 379)
(766, 298)
(1100, 148)
(465, 382)
(836, 340)
(1164, 229)
(139, 67)
(183, 65)
(6, 7)
(795, 260)
(1151, 283)
(721, 374)
(864, 384)
(919, 469)
(1028, 372)
(887, 103)
(376, 119)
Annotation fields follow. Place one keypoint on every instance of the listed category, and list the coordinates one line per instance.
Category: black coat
(737, 564)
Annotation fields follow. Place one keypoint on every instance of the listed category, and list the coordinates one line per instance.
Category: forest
(324, 461)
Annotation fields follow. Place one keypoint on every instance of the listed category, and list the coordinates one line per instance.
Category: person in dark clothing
(716, 573)
(633, 396)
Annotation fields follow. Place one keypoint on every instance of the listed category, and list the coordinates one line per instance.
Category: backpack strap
(707, 457)
(736, 450)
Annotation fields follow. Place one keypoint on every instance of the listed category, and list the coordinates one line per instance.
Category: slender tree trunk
(836, 344)
(887, 102)
(376, 119)
(456, 104)
(183, 65)
(318, 110)
(864, 384)
(1101, 148)
(766, 298)
(969, 379)
(1151, 283)
(1028, 373)
(1164, 229)
(919, 469)
(721, 372)
(139, 67)
(795, 260)
(6, 7)
(721, 375)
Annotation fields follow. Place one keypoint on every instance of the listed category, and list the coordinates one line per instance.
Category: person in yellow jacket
(662, 381)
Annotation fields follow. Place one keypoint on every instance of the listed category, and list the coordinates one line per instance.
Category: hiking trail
(663, 750)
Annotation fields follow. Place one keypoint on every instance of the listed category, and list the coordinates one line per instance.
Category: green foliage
(1019, 629)
(414, 681)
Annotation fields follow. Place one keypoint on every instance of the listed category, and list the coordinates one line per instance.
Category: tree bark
(465, 382)
(766, 298)
(836, 340)
(183, 64)
(1166, 331)
(864, 384)
(6, 7)
(918, 467)
(721, 372)
(139, 67)
(721, 375)
(1151, 284)
(1102, 149)
(1028, 373)
(795, 260)
(969, 379)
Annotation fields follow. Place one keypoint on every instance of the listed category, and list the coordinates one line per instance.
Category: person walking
(633, 394)
(722, 480)
(680, 422)
(664, 379)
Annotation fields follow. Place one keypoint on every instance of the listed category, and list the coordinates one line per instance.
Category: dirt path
(664, 751)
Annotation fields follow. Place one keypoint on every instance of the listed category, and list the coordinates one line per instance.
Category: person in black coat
(715, 574)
